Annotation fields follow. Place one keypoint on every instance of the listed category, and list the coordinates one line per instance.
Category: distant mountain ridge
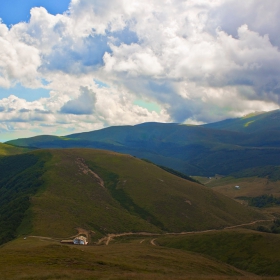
(252, 123)
(218, 148)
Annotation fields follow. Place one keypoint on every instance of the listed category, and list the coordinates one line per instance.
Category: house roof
(82, 238)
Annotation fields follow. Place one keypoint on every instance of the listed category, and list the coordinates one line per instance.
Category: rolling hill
(7, 150)
(245, 249)
(252, 123)
(41, 259)
(52, 192)
(223, 148)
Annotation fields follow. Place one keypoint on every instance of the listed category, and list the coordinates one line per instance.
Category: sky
(81, 65)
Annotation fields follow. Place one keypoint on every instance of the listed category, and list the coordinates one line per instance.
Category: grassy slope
(272, 173)
(155, 134)
(252, 251)
(138, 197)
(42, 259)
(73, 199)
(7, 150)
(250, 123)
(37, 141)
(20, 178)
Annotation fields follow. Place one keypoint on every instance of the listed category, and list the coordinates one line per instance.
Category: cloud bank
(199, 61)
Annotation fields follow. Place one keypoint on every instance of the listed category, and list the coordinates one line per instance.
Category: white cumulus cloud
(199, 60)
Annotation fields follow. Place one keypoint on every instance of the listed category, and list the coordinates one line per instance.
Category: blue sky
(15, 11)
(81, 65)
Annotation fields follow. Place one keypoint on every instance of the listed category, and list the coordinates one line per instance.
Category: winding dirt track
(106, 240)
(153, 242)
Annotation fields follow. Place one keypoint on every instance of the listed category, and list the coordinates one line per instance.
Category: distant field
(248, 187)
(251, 187)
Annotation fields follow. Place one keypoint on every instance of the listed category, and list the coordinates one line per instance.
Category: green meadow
(252, 251)
(7, 150)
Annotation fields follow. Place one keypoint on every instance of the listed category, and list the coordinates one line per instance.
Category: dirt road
(109, 237)
(106, 240)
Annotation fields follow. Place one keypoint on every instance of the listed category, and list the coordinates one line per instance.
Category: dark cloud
(42, 111)
(69, 57)
(261, 16)
(47, 125)
(83, 105)
(29, 119)
(164, 92)
(24, 110)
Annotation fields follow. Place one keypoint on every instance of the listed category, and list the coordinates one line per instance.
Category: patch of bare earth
(86, 170)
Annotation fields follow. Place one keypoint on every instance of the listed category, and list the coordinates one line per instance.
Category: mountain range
(223, 147)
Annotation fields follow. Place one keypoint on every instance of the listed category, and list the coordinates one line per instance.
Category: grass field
(136, 258)
(248, 187)
(7, 150)
(245, 249)
(251, 186)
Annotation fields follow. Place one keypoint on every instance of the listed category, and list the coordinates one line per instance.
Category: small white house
(80, 240)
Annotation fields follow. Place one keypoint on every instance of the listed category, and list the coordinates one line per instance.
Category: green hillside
(146, 135)
(251, 123)
(49, 195)
(41, 259)
(20, 178)
(248, 250)
(6, 150)
(38, 141)
(105, 192)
